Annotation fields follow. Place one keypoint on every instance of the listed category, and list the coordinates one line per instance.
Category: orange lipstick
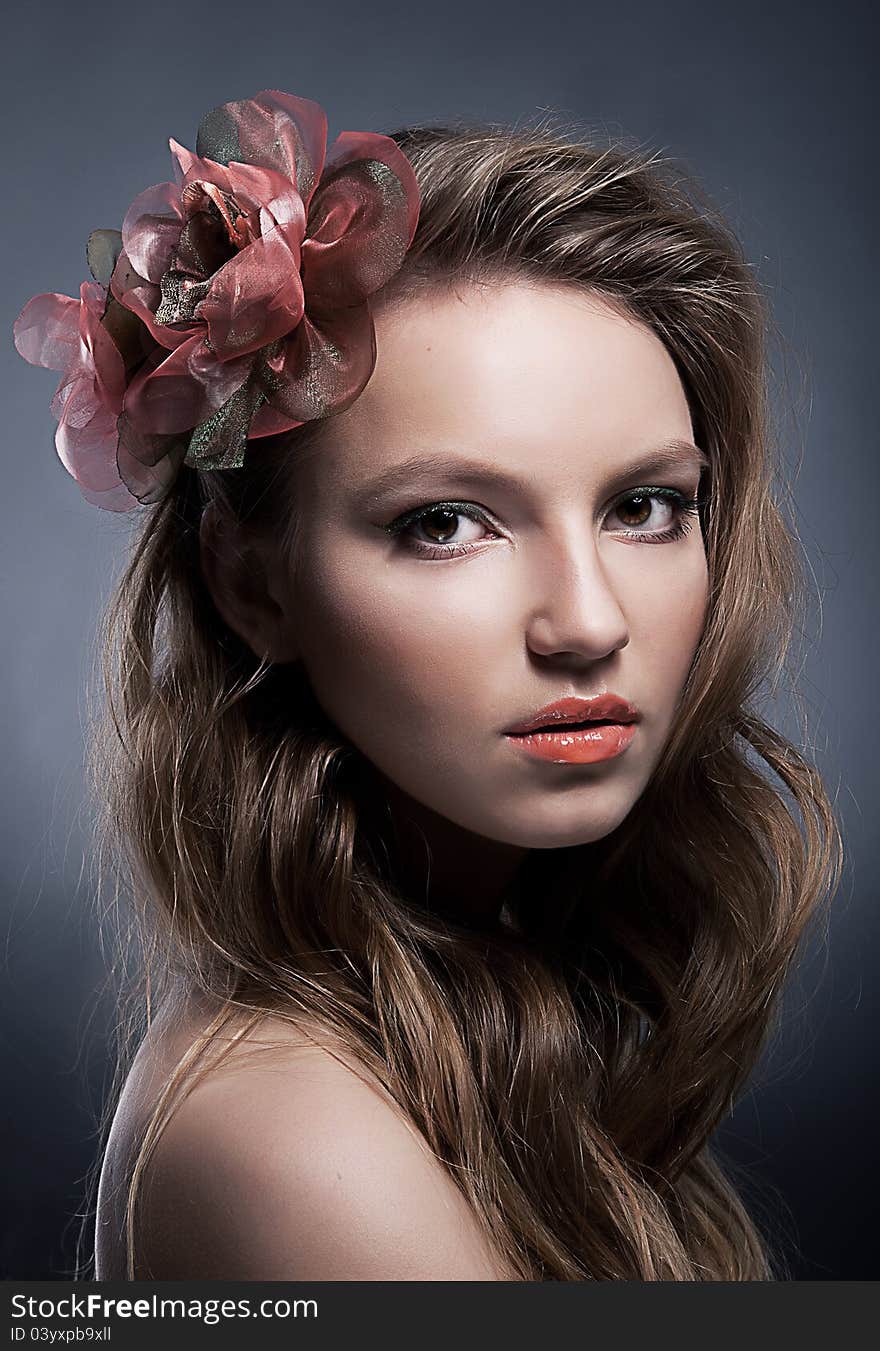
(577, 731)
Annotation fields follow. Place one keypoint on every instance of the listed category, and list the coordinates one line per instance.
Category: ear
(236, 575)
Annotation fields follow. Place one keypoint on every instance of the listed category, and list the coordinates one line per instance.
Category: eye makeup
(685, 509)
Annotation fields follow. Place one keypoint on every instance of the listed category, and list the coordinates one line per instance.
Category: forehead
(515, 372)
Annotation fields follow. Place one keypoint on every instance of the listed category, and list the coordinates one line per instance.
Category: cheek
(402, 653)
(667, 613)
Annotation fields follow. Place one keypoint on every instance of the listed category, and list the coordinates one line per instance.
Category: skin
(424, 662)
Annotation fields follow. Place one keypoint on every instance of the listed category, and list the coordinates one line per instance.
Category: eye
(636, 510)
(448, 529)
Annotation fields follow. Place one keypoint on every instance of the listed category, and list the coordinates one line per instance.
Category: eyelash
(686, 507)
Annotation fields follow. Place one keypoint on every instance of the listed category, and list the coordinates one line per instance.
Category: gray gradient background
(769, 104)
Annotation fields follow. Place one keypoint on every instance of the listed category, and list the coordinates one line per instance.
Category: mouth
(575, 743)
(561, 726)
(576, 713)
(577, 731)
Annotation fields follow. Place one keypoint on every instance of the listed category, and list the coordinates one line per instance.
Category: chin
(555, 825)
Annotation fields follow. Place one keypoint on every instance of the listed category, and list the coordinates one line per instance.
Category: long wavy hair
(568, 1070)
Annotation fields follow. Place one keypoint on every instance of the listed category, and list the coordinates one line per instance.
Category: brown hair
(571, 1073)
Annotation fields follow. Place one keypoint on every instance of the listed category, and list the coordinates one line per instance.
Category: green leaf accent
(217, 137)
(220, 442)
(102, 249)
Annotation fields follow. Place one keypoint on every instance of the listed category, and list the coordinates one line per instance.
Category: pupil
(644, 505)
(441, 531)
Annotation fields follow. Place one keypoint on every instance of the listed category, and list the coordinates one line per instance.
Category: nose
(575, 612)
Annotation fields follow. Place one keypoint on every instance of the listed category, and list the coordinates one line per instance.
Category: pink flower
(67, 335)
(238, 300)
(252, 273)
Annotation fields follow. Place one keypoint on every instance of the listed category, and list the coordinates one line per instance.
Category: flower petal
(133, 340)
(190, 168)
(361, 221)
(255, 298)
(143, 299)
(274, 130)
(87, 449)
(46, 333)
(351, 146)
(269, 195)
(105, 359)
(321, 368)
(148, 464)
(151, 229)
(179, 392)
(114, 499)
(77, 400)
(67, 386)
(149, 484)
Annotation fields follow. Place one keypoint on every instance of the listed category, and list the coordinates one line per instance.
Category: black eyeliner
(417, 513)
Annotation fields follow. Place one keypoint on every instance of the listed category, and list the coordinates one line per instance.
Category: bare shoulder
(287, 1161)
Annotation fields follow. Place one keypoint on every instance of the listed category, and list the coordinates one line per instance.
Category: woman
(465, 903)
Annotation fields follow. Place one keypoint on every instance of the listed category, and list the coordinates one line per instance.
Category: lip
(607, 707)
(549, 734)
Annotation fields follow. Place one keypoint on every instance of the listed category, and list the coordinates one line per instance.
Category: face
(473, 547)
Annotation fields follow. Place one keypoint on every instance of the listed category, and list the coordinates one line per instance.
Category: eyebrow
(416, 469)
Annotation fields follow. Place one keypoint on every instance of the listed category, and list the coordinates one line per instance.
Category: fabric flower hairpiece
(232, 305)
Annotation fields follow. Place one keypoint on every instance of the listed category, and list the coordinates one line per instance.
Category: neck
(442, 867)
